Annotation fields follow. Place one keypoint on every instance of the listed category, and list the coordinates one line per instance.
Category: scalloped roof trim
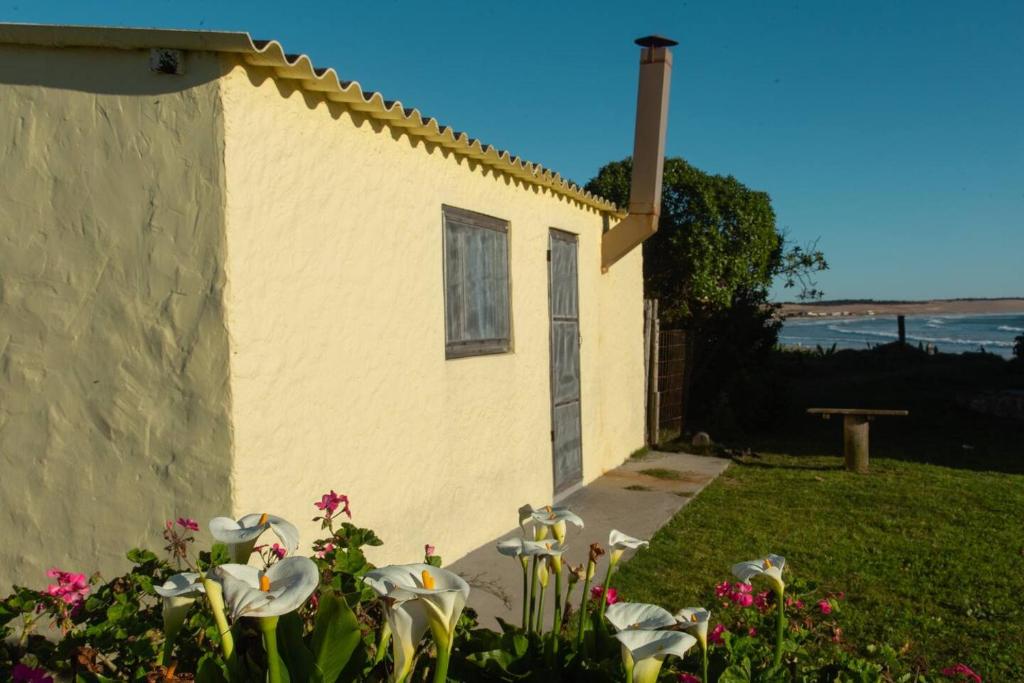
(270, 54)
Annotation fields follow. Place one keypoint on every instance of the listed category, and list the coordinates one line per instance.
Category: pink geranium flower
(825, 606)
(278, 551)
(963, 670)
(752, 632)
(688, 678)
(611, 598)
(188, 523)
(743, 599)
(428, 550)
(71, 588)
(328, 547)
(723, 589)
(330, 502)
(761, 601)
(21, 673)
(716, 634)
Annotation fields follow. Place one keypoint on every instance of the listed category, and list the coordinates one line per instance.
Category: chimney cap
(655, 41)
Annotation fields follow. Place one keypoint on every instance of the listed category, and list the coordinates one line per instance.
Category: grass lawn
(930, 556)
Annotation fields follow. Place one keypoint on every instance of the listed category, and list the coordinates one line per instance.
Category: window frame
(475, 347)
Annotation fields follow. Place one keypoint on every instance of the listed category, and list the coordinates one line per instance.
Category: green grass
(928, 547)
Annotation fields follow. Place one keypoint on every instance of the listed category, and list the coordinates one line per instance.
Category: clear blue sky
(894, 131)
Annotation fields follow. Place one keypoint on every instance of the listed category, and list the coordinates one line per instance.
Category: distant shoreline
(867, 307)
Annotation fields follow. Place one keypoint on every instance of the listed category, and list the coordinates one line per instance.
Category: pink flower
(330, 502)
(688, 678)
(716, 634)
(961, 669)
(611, 598)
(26, 674)
(761, 601)
(743, 599)
(71, 588)
(825, 606)
(752, 632)
(799, 604)
(322, 553)
(744, 587)
(722, 589)
(428, 550)
(188, 523)
(278, 551)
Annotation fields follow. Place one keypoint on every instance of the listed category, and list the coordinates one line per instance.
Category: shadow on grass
(940, 430)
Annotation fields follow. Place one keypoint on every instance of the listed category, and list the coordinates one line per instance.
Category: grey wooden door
(563, 296)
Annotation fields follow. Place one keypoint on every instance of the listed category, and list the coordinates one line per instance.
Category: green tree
(711, 263)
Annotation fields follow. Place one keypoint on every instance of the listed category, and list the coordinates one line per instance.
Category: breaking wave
(913, 337)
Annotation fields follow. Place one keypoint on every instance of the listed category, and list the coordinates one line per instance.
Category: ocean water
(953, 333)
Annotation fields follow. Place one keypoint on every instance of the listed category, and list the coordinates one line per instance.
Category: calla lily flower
(178, 593)
(551, 517)
(521, 548)
(643, 652)
(430, 597)
(620, 543)
(280, 589)
(694, 619)
(240, 536)
(770, 566)
(630, 616)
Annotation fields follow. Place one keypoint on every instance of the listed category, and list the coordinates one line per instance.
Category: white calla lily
(550, 517)
(769, 566)
(627, 616)
(620, 543)
(240, 536)
(280, 589)
(643, 652)
(178, 593)
(695, 619)
(518, 547)
(427, 594)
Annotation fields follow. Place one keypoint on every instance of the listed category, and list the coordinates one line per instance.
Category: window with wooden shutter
(478, 317)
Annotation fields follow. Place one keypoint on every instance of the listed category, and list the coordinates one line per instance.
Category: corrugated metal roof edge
(270, 54)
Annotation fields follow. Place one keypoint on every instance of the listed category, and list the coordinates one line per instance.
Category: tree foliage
(710, 265)
(716, 241)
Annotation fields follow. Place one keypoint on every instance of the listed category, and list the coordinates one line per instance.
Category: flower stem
(604, 590)
(780, 634)
(533, 595)
(269, 627)
(526, 596)
(557, 622)
(539, 625)
(444, 653)
(215, 597)
(584, 600)
(168, 651)
(704, 664)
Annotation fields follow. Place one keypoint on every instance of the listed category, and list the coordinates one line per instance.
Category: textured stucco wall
(114, 394)
(335, 309)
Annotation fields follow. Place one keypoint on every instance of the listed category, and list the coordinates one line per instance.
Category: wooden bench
(855, 432)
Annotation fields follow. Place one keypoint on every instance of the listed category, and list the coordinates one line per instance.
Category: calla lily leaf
(626, 616)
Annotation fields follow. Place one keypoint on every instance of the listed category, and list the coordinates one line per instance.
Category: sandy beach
(937, 306)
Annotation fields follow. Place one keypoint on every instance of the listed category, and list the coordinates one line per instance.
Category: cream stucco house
(230, 281)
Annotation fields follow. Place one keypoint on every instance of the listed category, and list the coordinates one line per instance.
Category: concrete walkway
(626, 499)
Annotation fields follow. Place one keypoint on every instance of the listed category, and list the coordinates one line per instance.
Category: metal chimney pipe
(648, 152)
